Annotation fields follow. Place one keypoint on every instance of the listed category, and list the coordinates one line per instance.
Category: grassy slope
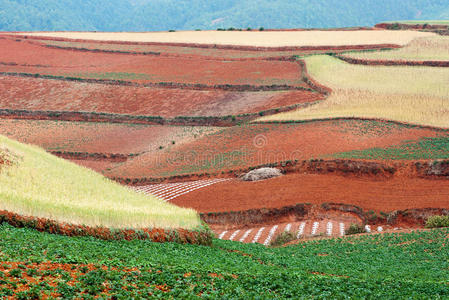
(422, 49)
(389, 266)
(410, 94)
(43, 185)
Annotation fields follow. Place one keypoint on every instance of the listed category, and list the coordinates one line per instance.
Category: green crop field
(389, 266)
(428, 148)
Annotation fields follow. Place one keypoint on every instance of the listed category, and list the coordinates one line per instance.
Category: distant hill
(148, 15)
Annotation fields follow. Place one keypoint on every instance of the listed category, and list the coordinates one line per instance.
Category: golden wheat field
(417, 95)
(251, 38)
(41, 185)
(422, 49)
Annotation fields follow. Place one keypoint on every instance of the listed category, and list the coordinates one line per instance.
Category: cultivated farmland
(34, 94)
(41, 185)
(258, 144)
(421, 49)
(23, 57)
(257, 39)
(355, 121)
(416, 95)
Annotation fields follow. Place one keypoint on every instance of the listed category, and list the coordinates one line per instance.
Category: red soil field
(371, 194)
(212, 53)
(24, 57)
(98, 137)
(257, 144)
(56, 95)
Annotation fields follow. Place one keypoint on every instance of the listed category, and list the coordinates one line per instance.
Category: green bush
(437, 221)
(355, 229)
(283, 239)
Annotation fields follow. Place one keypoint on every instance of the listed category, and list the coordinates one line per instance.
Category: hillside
(35, 183)
(145, 15)
(388, 266)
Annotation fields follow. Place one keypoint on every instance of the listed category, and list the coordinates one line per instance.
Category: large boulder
(261, 174)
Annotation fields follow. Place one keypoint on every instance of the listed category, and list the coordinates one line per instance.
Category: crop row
(390, 266)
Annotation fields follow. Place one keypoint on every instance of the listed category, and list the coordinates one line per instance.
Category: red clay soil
(97, 137)
(165, 50)
(370, 194)
(257, 144)
(56, 95)
(23, 57)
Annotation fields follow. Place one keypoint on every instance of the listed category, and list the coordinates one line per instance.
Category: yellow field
(410, 94)
(42, 185)
(253, 38)
(429, 48)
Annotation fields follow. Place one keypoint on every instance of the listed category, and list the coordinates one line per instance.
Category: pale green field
(42, 185)
(418, 95)
(429, 48)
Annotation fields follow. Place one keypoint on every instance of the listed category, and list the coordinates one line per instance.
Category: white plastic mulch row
(272, 231)
(170, 191)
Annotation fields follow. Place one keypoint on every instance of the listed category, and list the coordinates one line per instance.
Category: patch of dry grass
(252, 38)
(417, 95)
(428, 48)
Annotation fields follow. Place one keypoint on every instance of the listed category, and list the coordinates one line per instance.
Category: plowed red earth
(98, 137)
(257, 144)
(36, 59)
(43, 94)
(213, 53)
(378, 195)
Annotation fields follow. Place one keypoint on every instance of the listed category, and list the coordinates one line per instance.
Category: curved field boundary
(173, 85)
(112, 157)
(202, 57)
(74, 116)
(305, 211)
(410, 125)
(431, 169)
(322, 89)
(170, 191)
(229, 47)
(202, 237)
(369, 62)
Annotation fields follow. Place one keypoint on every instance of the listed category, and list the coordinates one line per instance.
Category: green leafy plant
(355, 229)
(437, 221)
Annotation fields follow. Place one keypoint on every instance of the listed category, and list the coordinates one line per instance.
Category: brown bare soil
(42, 94)
(23, 57)
(370, 194)
(257, 144)
(99, 137)
(167, 50)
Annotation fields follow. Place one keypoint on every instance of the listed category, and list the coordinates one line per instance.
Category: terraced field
(365, 145)
(416, 95)
(421, 49)
(256, 144)
(23, 57)
(33, 94)
(254, 38)
(99, 137)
